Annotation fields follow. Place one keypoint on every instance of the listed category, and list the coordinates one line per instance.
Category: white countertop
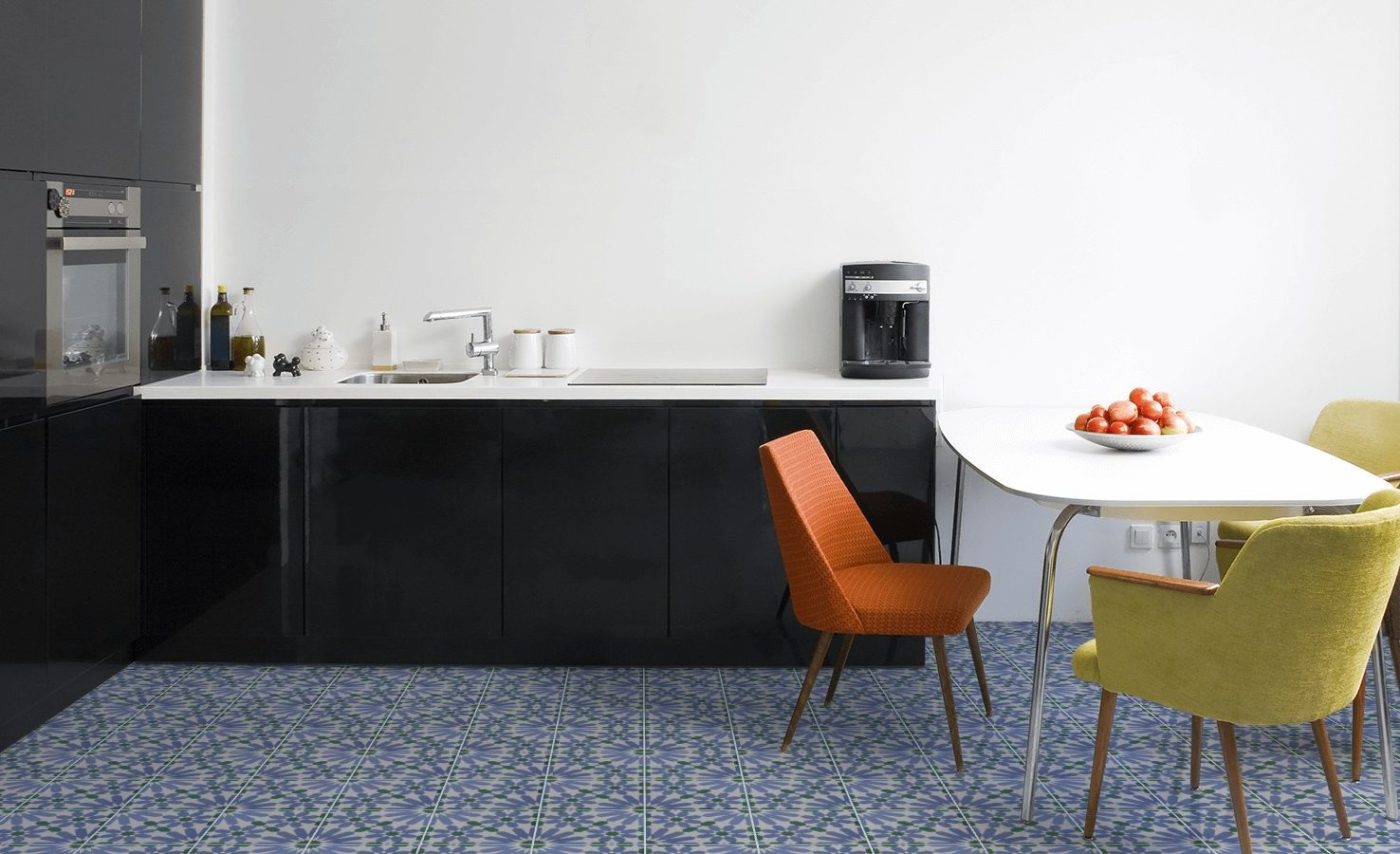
(783, 384)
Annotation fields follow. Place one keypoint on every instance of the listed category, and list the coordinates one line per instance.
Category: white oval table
(1228, 470)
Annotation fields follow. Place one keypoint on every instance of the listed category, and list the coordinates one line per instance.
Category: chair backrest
(1365, 433)
(1300, 609)
(820, 529)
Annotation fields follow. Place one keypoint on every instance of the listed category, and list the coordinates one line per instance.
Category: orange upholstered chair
(842, 579)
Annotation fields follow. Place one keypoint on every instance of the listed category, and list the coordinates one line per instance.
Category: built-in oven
(91, 339)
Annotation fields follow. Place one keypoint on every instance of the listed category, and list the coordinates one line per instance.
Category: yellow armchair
(1285, 636)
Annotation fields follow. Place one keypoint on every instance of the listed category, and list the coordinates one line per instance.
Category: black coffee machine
(884, 320)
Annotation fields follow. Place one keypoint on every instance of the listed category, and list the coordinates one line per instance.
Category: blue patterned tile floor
(294, 758)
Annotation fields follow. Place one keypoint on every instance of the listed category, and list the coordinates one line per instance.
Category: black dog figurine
(281, 366)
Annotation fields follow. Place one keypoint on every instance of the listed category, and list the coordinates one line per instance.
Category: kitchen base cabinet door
(585, 494)
(224, 521)
(23, 633)
(405, 523)
(94, 536)
(886, 454)
(726, 572)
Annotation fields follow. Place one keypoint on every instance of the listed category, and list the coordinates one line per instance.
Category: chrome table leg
(1383, 728)
(1186, 550)
(956, 539)
(1042, 650)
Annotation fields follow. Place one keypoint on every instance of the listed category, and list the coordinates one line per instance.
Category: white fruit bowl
(1130, 442)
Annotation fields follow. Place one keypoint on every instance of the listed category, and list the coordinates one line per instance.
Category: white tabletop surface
(783, 384)
(1228, 470)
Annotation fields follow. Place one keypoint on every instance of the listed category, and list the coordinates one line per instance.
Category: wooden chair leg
(1232, 773)
(783, 602)
(818, 656)
(1107, 702)
(977, 663)
(1358, 720)
(1196, 723)
(1324, 752)
(839, 668)
(945, 684)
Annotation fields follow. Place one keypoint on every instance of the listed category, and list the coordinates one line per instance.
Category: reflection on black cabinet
(170, 222)
(94, 547)
(224, 521)
(886, 454)
(726, 573)
(585, 522)
(405, 523)
(22, 26)
(92, 93)
(172, 34)
(23, 636)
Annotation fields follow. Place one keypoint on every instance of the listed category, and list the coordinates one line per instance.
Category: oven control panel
(92, 206)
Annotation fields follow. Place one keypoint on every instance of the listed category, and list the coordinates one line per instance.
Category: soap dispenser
(385, 346)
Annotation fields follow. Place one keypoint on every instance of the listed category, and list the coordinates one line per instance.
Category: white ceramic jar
(323, 353)
(559, 350)
(528, 351)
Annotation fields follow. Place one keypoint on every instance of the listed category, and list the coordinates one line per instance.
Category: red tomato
(1173, 424)
(1145, 427)
(1118, 428)
(1150, 409)
(1097, 411)
(1163, 398)
(1138, 395)
(1122, 410)
(1168, 410)
(1096, 425)
(1190, 425)
(1080, 420)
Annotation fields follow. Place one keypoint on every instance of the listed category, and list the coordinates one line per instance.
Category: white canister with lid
(559, 352)
(528, 351)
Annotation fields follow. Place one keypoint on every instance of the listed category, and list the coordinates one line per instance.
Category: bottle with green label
(220, 344)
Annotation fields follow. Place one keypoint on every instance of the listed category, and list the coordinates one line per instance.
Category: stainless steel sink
(406, 379)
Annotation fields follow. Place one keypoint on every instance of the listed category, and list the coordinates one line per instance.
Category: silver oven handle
(77, 244)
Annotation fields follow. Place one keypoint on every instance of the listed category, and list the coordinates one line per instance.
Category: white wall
(1202, 196)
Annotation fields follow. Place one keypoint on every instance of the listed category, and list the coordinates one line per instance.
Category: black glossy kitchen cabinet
(585, 501)
(405, 522)
(224, 521)
(172, 33)
(170, 221)
(23, 24)
(726, 572)
(92, 88)
(94, 536)
(886, 454)
(23, 629)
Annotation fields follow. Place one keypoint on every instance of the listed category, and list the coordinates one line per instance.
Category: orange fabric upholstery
(842, 578)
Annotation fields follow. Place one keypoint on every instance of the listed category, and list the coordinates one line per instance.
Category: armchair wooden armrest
(1229, 543)
(1391, 477)
(1183, 585)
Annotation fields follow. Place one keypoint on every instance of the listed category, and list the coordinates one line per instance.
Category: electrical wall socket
(1169, 535)
(1140, 536)
(1200, 533)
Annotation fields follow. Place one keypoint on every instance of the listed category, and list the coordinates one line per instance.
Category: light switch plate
(1140, 537)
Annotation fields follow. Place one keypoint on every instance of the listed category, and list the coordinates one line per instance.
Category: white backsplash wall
(1200, 196)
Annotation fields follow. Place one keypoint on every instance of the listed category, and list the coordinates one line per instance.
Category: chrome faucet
(487, 349)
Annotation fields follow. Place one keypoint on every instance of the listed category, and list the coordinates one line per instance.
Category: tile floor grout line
(739, 761)
(456, 758)
(96, 744)
(646, 768)
(286, 736)
(169, 763)
(937, 775)
(836, 766)
(355, 769)
(549, 757)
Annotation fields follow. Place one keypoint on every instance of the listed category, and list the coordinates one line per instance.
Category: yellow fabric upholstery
(1285, 639)
(1365, 433)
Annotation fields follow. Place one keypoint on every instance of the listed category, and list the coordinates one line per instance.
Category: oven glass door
(94, 293)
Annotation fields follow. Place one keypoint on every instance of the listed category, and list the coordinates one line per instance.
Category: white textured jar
(528, 351)
(322, 353)
(559, 352)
